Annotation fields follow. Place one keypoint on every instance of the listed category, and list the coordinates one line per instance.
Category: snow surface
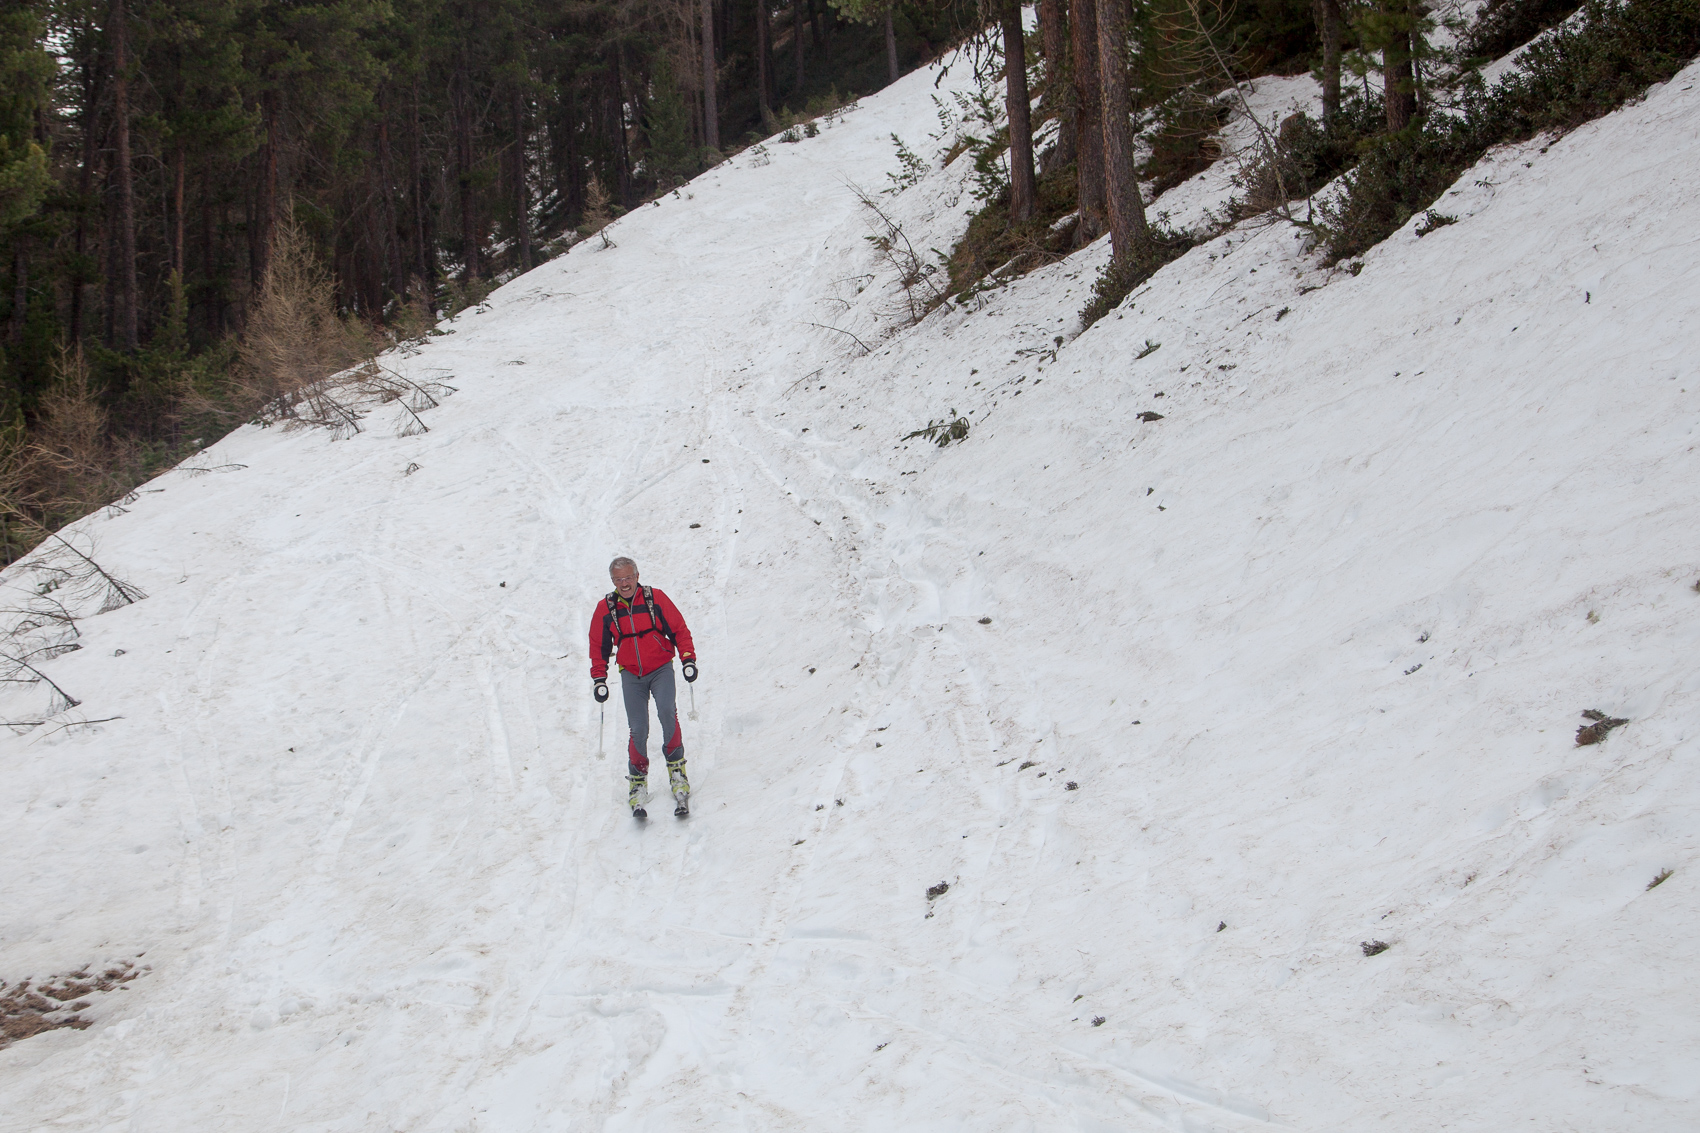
(353, 814)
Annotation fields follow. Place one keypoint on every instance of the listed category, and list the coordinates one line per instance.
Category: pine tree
(1128, 232)
(26, 69)
(1023, 189)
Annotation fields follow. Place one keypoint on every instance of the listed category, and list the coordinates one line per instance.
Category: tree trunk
(265, 203)
(797, 49)
(177, 325)
(182, 162)
(424, 230)
(125, 328)
(230, 309)
(1058, 97)
(465, 159)
(1023, 192)
(710, 105)
(764, 62)
(1398, 81)
(89, 119)
(1088, 123)
(212, 316)
(1329, 26)
(521, 191)
(622, 152)
(20, 288)
(1121, 184)
(699, 137)
(570, 176)
(389, 220)
(891, 45)
(816, 9)
(109, 249)
(1053, 43)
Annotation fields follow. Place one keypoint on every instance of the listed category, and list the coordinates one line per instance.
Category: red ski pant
(638, 692)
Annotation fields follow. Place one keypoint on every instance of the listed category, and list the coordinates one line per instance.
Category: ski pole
(600, 727)
(693, 689)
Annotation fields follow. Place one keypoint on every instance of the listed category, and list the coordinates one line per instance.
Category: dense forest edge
(207, 207)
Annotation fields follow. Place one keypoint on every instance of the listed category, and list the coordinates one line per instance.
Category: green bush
(1304, 156)
(1573, 76)
(992, 244)
(1183, 142)
(1507, 24)
(1117, 281)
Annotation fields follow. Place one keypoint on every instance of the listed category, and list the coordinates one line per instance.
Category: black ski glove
(690, 670)
(601, 689)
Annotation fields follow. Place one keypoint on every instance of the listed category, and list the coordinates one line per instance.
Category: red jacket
(643, 646)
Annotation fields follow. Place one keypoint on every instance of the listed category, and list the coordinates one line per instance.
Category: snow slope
(1294, 668)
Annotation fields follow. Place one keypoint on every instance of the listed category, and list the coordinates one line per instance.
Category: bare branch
(124, 591)
(866, 349)
(73, 724)
(65, 699)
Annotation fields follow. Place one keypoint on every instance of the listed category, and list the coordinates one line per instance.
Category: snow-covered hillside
(1185, 711)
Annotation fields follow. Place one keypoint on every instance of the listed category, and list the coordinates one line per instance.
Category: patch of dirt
(1595, 732)
(55, 1001)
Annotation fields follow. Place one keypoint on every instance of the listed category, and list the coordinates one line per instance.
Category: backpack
(611, 623)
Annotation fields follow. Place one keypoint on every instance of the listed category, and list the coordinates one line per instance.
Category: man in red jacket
(641, 627)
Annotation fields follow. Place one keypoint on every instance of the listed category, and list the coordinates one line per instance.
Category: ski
(639, 813)
(682, 810)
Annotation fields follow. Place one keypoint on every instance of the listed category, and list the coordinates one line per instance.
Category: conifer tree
(1128, 232)
(1059, 95)
(26, 69)
(1088, 122)
(1330, 27)
(1023, 190)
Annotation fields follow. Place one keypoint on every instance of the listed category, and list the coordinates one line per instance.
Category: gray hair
(622, 561)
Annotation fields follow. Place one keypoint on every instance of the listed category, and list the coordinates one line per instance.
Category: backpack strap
(657, 621)
(656, 618)
(610, 622)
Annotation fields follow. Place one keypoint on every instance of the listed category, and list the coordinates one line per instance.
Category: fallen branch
(130, 594)
(74, 724)
(866, 349)
(70, 701)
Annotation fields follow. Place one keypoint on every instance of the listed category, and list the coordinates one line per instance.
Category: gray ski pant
(638, 691)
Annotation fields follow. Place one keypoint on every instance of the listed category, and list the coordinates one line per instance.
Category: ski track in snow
(1312, 646)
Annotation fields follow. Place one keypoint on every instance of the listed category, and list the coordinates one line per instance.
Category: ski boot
(638, 794)
(681, 788)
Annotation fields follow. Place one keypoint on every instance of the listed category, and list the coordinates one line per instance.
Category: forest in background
(208, 205)
(152, 153)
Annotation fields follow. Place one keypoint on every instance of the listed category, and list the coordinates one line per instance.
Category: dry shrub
(413, 319)
(598, 212)
(70, 464)
(294, 339)
(302, 366)
(922, 287)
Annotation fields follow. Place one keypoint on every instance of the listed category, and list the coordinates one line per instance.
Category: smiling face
(625, 579)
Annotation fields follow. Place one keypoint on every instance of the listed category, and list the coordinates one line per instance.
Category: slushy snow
(1186, 712)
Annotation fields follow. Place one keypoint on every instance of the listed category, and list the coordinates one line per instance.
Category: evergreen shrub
(1117, 281)
(1504, 25)
(1184, 142)
(1304, 157)
(1573, 76)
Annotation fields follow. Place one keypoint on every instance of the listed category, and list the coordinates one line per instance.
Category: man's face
(625, 581)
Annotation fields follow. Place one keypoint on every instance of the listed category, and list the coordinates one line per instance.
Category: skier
(642, 628)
